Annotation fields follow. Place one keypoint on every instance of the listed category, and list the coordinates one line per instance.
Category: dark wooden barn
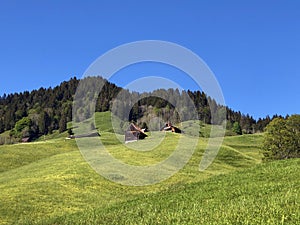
(93, 134)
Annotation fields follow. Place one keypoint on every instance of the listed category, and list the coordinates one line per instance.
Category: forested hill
(39, 112)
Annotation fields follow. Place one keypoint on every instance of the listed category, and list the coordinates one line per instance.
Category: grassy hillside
(18, 155)
(49, 182)
(265, 194)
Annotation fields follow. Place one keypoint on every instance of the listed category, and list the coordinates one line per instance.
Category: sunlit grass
(17, 155)
(49, 182)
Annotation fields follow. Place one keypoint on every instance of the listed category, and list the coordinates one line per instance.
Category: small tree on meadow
(282, 138)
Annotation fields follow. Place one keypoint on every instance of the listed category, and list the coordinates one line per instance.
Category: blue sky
(253, 47)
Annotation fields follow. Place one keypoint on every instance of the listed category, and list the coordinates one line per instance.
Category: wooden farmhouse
(134, 133)
(169, 127)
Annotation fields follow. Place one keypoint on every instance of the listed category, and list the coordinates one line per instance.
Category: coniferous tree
(1, 126)
(62, 124)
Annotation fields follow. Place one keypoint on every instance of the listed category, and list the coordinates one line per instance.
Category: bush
(236, 128)
(282, 138)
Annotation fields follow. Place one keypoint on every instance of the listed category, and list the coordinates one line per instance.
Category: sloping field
(49, 182)
(265, 194)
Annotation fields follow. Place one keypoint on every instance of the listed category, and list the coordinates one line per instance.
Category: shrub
(282, 138)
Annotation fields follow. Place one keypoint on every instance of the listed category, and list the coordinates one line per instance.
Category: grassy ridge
(14, 156)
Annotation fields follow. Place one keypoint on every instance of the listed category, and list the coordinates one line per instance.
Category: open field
(49, 182)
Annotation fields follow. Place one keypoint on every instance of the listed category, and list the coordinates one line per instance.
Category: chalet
(134, 133)
(169, 127)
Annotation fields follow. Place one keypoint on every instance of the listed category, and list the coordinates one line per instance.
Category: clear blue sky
(253, 47)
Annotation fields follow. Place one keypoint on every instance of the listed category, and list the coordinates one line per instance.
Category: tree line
(39, 112)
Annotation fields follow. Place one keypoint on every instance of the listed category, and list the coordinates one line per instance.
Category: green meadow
(49, 182)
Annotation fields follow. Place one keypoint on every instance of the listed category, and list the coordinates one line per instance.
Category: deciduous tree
(282, 138)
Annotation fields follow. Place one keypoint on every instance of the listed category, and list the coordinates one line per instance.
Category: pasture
(49, 182)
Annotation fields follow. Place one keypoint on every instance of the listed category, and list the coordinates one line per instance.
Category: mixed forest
(40, 112)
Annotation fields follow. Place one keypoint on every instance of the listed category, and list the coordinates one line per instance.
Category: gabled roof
(93, 134)
(133, 127)
(26, 139)
(134, 133)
